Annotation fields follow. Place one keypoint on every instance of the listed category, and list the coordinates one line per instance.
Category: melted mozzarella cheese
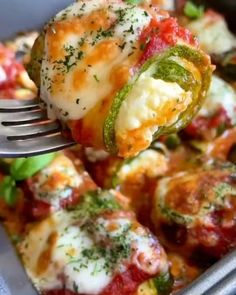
(213, 34)
(92, 56)
(220, 95)
(149, 162)
(56, 181)
(72, 251)
(47, 258)
(151, 103)
(142, 243)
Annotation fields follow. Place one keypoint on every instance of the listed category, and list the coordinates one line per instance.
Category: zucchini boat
(217, 113)
(216, 39)
(98, 247)
(119, 75)
(58, 185)
(194, 211)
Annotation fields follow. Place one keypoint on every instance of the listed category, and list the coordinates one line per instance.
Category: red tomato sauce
(160, 35)
(39, 209)
(125, 283)
(206, 127)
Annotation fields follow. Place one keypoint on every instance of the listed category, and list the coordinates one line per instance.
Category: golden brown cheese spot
(57, 84)
(183, 197)
(106, 51)
(44, 259)
(120, 75)
(97, 20)
(59, 31)
(187, 194)
(79, 79)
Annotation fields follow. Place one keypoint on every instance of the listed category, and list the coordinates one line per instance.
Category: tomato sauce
(160, 35)
(125, 283)
(206, 127)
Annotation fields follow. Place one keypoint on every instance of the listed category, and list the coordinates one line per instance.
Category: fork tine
(17, 132)
(22, 117)
(14, 104)
(32, 147)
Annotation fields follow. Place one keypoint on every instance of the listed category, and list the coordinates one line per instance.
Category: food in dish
(58, 185)
(46, 201)
(216, 39)
(96, 248)
(14, 80)
(217, 113)
(119, 75)
(194, 211)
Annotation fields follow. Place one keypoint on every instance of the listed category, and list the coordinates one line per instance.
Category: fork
(25, 130)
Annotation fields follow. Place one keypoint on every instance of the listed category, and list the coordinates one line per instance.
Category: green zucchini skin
(34, 67)
(160, 285)
(169, 70)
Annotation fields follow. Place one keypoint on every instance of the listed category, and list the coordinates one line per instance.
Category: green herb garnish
(193, 11)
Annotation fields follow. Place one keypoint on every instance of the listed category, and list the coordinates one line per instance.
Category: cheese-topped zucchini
(119, 75)
(149, 163)
(217, 113)
(195, 210)
(96, 248)
(216, 39)
(59, 185)
(213, 33)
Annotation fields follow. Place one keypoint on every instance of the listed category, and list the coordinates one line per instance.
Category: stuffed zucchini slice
(216, 39)
(217, 113)
(194, 211)
(119, 75)
(98, 247)
(58, 185)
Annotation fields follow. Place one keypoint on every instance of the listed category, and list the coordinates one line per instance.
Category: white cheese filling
(151, 100)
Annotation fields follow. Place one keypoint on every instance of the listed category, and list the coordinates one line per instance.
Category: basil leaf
(8, 190)
(23, 168)
(193, 11)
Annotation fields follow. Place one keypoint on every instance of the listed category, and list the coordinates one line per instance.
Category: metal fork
(25, 130)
